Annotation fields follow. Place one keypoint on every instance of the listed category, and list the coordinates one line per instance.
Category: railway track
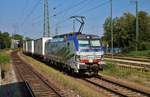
(40, 86)
(115, 89)
(143, 64)
(129, 58)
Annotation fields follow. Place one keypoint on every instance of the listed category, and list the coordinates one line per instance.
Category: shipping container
(30, 46)
(25, 47)
(39, 45)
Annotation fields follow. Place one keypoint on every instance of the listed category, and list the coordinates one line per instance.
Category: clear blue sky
(25, 17)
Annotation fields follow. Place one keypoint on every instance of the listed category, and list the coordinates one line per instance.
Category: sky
(26, 17)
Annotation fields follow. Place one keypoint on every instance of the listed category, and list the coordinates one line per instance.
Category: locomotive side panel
(63, 52)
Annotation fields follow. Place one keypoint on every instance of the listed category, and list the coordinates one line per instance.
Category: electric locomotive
(75, 52)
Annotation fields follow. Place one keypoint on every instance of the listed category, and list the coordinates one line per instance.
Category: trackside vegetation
(124, 32)
(144, 53)
(130, 74)
(4, 63)
(5, 39)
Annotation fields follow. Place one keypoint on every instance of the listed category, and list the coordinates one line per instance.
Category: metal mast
(137, 25)
(111, 27)
(46, 20)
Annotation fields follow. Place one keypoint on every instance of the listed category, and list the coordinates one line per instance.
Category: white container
(25, 46)
(30, 46)
(39, 45)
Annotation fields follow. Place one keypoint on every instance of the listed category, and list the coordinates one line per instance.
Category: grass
(127, 74)
(64, 80)
(115, 70)
(5, 61)
(145, 53)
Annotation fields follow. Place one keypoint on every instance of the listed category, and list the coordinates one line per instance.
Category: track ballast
(115, 89)
(40, 86)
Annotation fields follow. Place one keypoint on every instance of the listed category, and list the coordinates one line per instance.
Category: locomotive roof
(68, 34)
(76, 33)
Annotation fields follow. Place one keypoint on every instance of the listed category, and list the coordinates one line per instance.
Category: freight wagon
(28, 47)
(39, 46)
(24, 46)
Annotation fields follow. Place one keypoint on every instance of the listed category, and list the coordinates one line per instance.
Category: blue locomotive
(75, 52)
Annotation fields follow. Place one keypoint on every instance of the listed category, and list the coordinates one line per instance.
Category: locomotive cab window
(84, 44)
(95, 43)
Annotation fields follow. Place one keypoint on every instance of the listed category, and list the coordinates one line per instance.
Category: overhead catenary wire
(68, 9)
(75, 5)
(83, 6)
(58, 5)
(25, 7)
(86, 11)
(95, 7)
(31, 12)
(71, 7)
(65, 10)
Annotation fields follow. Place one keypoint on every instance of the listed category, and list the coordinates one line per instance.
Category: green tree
(5, 40)
(124, 31)
(107, 31)
(144, 30)
(17, 37)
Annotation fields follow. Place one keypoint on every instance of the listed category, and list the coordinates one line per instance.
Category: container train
(74, 52)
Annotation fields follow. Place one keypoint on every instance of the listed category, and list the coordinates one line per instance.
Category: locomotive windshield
(84, 44)
(95, 43)
(89, 44)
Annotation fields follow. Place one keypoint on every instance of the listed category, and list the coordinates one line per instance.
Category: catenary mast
(46, 20)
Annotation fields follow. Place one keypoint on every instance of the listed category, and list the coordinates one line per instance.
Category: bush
(144, 46)
(115, 70)
(4, 62)
(144, 53)
(4, 59)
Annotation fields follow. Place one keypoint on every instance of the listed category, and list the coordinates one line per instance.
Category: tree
(144, 30)
(107, 31)
(5, 40)
(17, 37)
(124, 31)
